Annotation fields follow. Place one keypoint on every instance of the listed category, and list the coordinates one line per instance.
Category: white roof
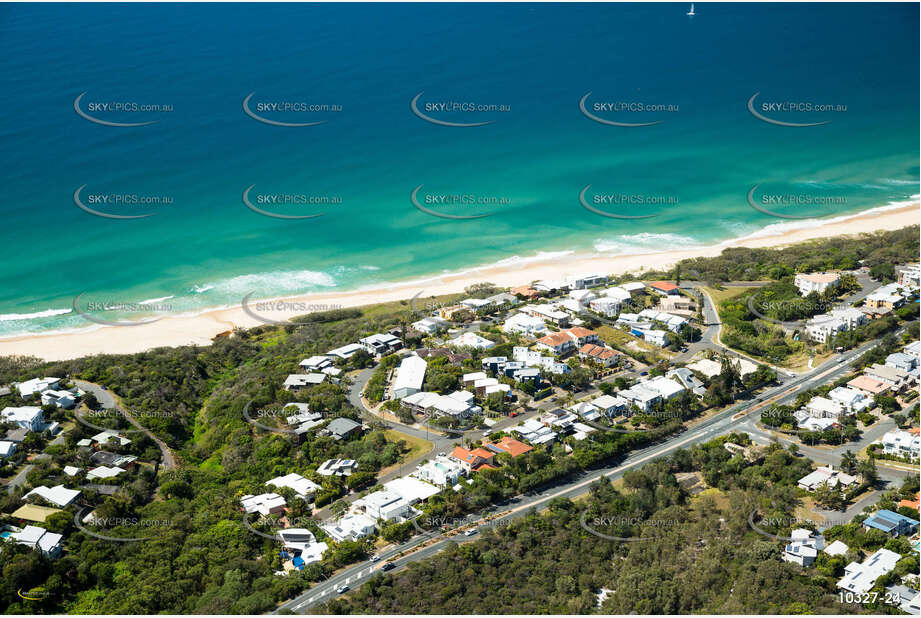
(7, 448)
(36, 385)
(71, 470)
(836, 548)
(21, 414)
(411, 373)
(411, 489)
(524, 322)
(472, 340)
(476, 375)
(58, 494)
(316, 362)
(846, 394)
(263, 503)
(298, 483)
(664, 386)
(609, 401)
(633, 286)
(104, 472)
(29, 534)
(617, 293)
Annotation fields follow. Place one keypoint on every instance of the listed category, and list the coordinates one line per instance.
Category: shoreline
(201, 328)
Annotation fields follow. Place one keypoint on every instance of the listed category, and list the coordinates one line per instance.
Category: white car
(342, 589)
(470, 532)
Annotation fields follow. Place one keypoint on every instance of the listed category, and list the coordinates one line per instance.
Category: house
(534, 432)
(810, 423)
(502, 299)
(494, 364)
(582, 297)
(902, 444)
(105, 458)
(635, 288)
(264, 504)
(304, 488)
(411, 489)
(586, 410)
(469, 379)
(547, 313)
(441, 471)
(61, 399)
(836, 548)
(472, 340)
(604, 356)
(475, 304)
(906, 599)
(351, 527)
(299, 381)
(35, 537)
(431, 325)
(678, 303)
(303, 542)
(617, 293)
(29, 418)
(341, 428)
(868, 386)
(861, 577)
(104, 437)
(525, 324)
(803, 548)
(472, 460)
(899, 360)
(36, 385)
(850, 399)
(383, 504)
(337, 467)
(455, 313)
(655, 337)
(826, 475)
(556, 343)
(608, 307)
(7, 448)
(458, 404)
(815, 282)
(455, 358)
(664, 287)
(641, 396)
(820, 407)
(381, 344)
(895, 378)
(58, 495)
(525, 291)
(910, 276)
(345, 352)
(893, 524)
(410, 376)
(509, 445)
(913, 349)
(104, 472)
(71, 470)
(610, 405)
(586, 281)
(667, 389)
(550, 285)
(316, 363)
(890, 297)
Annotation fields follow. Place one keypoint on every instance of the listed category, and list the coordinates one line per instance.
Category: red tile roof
(512, 446)
(665, 286)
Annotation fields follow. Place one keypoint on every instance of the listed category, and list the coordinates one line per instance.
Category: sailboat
(691, 12)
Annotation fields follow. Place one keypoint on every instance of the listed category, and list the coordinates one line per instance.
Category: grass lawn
(417, 446)
(719, 296)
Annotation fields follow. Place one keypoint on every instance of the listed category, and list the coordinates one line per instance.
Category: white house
(820, 407)
(860, 577)
(850, 399)
(610, 405)
(472, 340)
(38, 538)
(641, 396)
(380, 344)
(61, 399)
(586, 281)
(58, 495)
(440, 471)
(383, 504)
(351, 527)
(525, 324)
(826, 475)
(104, 472)
(475, 304)
(26, 417)
(667, 389)
(899, 360)
(822, 327)
(815, 282)
(655, 337)
(902, 444)
(617, 293)
(316, 363)
(37, 385)
(608, 307)
(431, 325)
(304, 488)
(803, 548)
(410, 376)
(7, 448)
(264, 504)
(337, 467)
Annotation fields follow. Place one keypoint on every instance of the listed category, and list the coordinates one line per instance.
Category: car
(375, 558)
(342, 589)
(387, 566)
(512, 414)
(643, 373)
(470, 532)
(486, 434)
(442, 454)
(842, 359)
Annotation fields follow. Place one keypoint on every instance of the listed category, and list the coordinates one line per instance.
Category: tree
(848, 462)
(866, 469)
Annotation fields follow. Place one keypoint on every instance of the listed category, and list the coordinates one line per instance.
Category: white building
(586, 281)
(606, 306)
(304, 488)
(822, 327)
(617, 293)
(441, 471)
(850, 399)
(826, 475)
(458, 404)
(381, 344)
(655, 337)
(410, 376)
(525, 324)
(667, 389)
(37, 385)
(7, 448)
(803, 548)
(351, 527)
(815, 282)
(316, 363)
(26, 417)
(860, 577)
(475, 304)
(611, 405)
(910, 276)
(104, 472)
(472, 340)
(900, 360)
(642, 397)
(383, 504)
(61, 399)
(58, 495)
(431, 325)
(902, 444)
(337, 467)
(38, 538)
(820, 407)
(264, 504)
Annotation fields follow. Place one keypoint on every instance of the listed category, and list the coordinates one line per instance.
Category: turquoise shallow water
(206, 248)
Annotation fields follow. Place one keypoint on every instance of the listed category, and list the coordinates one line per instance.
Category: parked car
(342, 589)
(470, 532)
(375, 558)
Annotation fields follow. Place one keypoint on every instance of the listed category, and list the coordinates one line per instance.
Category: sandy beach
(202, 328)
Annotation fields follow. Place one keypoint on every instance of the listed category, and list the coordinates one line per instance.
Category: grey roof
(341, 427)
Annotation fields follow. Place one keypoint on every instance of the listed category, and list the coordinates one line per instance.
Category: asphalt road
(736, 418)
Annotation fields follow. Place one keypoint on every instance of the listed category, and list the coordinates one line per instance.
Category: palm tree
(849, 462)
(867, 471)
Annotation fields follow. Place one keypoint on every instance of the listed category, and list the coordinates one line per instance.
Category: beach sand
(202, 328)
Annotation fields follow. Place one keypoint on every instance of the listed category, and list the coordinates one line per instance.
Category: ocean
(709, 169)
